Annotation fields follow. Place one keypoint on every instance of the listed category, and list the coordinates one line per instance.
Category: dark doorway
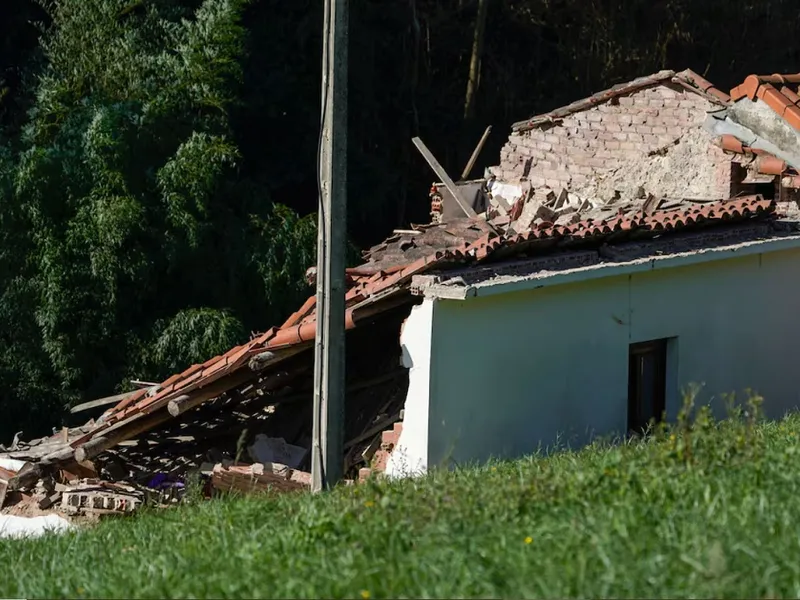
(647, 383)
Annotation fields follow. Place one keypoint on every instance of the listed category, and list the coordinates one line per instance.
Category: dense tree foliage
(157, 157)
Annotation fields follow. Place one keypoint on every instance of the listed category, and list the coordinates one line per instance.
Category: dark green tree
(140, 249)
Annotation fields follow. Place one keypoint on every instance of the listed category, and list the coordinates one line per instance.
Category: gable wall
(604, 148)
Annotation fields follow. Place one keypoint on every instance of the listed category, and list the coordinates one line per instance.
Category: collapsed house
(626, 245)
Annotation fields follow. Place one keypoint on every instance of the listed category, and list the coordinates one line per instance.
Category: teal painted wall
(514, 372)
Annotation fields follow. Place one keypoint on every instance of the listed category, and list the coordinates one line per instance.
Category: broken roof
(386, 280)
(444, 247)
(687, 79)
(779, 92)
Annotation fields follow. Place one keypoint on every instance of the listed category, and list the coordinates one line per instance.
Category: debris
(651, 204)
(259, 478)
(20, 527)
(99, 498)
(10, 464)
(50, 500)
(276, 450)
(5, 477)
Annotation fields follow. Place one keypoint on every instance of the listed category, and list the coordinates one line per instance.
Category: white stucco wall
(513, 371)
(410, 456)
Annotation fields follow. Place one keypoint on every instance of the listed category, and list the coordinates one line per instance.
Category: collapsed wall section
(652, 138)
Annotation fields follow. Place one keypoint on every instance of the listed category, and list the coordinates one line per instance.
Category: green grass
(701, 510)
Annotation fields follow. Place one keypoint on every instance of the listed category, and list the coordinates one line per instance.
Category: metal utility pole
(327, 460)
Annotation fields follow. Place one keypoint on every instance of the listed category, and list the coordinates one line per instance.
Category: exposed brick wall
(606, 147)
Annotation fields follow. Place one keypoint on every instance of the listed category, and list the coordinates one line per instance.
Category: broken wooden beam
(475, 153)
(139, 423)
(442, 174)
(265, 359)
(116, 399)
(143, 384)
(179, 405)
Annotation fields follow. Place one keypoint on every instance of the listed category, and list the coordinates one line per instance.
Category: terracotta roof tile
(699, 82)
(765, 163)
(738, 208)
(783, 101)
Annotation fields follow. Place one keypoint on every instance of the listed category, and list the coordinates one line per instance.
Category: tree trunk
(475, 62)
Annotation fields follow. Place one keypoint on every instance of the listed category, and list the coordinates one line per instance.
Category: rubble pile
(249, 438)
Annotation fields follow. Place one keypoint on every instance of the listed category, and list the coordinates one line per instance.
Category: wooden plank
(140, 423)
(442, 174)
(476, 153)
(143, 384)
(101, 402)
(502, 205)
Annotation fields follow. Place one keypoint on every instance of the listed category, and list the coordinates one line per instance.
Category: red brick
(643, 129)
(612, 145)
(578, 179)
(633, 155)
(667, 92)
(635, 137)
(681, 113)
(687, 103)
(596, 162)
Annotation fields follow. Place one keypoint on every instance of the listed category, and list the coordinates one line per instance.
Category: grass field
(699, 510)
